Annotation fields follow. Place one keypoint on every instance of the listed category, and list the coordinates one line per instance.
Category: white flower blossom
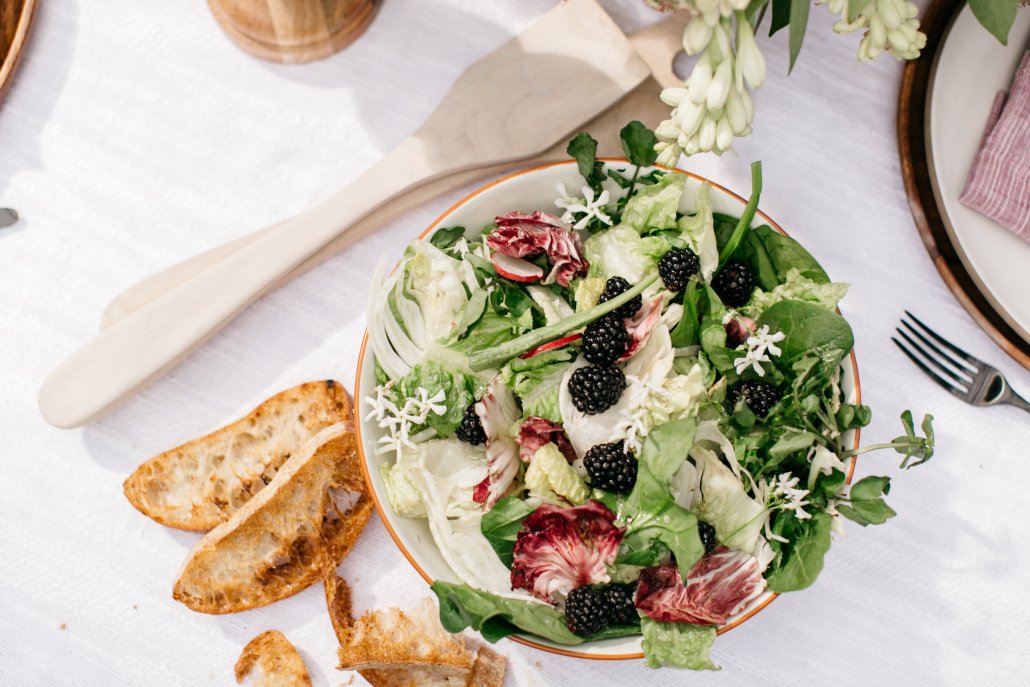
(759, 346)
(714, 10)
(398, 421)
(791, 498)
(890, 25)
(587, 205)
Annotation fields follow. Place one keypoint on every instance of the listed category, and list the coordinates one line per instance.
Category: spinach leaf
(802, 558)
(723, 225)
(445, 238)
(867, 506)
(584, 149)
(496, 617)
(809, 329)
(680, 645)
(753, 251)
(653, 519)
(613, 631)
(501, 524)
(638, 142)
(785, 253)
(687, 331)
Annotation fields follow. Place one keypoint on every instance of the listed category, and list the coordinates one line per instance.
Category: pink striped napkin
(999, 182)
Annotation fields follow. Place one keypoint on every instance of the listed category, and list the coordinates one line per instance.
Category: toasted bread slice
(200, 484)
(271, 661)
(394, 639)
(280, 541)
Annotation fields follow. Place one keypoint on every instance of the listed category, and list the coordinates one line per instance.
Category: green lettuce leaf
(655, 206)
(678, 645)
(797, 287)
(404, 496)
(801, 560)
(537, 380)
(654, 522)
(617, 252)
(459, 389)
(550, 476)
(810, 329)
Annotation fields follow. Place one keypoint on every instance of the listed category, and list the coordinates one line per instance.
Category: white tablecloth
(136, 135)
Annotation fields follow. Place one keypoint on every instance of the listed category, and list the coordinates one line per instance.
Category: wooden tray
(15, 18)
(913, 127)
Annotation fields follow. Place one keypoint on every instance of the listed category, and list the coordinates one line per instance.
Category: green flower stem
(749, 214)
(494, 357)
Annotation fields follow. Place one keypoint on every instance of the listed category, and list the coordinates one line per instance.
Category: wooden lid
(293, 31)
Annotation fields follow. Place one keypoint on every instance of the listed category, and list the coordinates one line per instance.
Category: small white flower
(891, 25)
(398, 421)
(750, 65)
(587, 205)
(791, 497)
(696, 35)
(759, 346)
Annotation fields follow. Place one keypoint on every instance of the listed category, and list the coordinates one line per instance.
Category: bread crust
(200, 484)
(277, 661)
(280, 541)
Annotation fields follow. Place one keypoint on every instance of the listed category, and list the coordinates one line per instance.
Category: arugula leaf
(653, 519)
(584, 149)
(680, 645)
(798, 26)
(501, 524)
(809, 329)
(687, 331)
(867, 506)
(446, 237)
(638, 143)
(802, 559)
(496, 617)
(996, 16)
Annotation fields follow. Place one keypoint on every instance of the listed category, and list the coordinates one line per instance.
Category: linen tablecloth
(136, 135)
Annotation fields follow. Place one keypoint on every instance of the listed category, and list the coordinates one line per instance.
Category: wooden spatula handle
(159, 334)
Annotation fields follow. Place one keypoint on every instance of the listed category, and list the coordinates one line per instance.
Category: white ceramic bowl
(529, 190)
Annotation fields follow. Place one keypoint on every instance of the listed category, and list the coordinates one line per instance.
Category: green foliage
(996, 16)
(583, 148)
(801, 560)
(501, 524)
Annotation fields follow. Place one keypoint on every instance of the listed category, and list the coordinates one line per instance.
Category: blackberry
(618, 602)
(616, 286)
(611, 468)
(595, 389)
(585, 611)
(471, 429)
(707, 533)
(604, 340)
(734, 283)
(759, 396)
(677, 266)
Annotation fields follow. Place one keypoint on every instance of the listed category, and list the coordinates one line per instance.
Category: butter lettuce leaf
(536, 382)
(678, 645)
(655, 206)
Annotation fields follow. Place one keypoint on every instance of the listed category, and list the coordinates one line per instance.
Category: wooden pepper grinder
(293, 31)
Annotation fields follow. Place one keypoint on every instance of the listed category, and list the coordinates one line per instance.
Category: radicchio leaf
(537, 431)
(559, 549)
(497, 411)
(640, 325)
(520, 235)
(719, 585)
(738, 329)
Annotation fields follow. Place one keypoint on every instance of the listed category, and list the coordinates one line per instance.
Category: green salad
(622, 419)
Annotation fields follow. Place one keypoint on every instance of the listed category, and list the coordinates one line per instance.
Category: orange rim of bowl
(361, 447)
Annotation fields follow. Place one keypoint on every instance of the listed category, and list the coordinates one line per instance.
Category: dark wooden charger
(913, 124)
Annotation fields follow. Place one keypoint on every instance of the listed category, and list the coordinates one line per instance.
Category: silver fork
(966, 377)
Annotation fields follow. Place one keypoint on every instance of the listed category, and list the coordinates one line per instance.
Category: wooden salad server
(570, 65)
(656, 44)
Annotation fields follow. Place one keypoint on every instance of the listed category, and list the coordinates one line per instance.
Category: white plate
(527, 191)
(972, 67)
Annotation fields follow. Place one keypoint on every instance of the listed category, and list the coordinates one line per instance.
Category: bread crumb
(349, 680)
(62, 626)
(135, 607)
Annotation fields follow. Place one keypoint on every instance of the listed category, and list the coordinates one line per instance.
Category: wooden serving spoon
(656, 45)
(492, 115)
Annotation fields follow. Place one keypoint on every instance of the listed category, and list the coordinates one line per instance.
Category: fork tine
(973, 363)
(933, 375)
(960, 368)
